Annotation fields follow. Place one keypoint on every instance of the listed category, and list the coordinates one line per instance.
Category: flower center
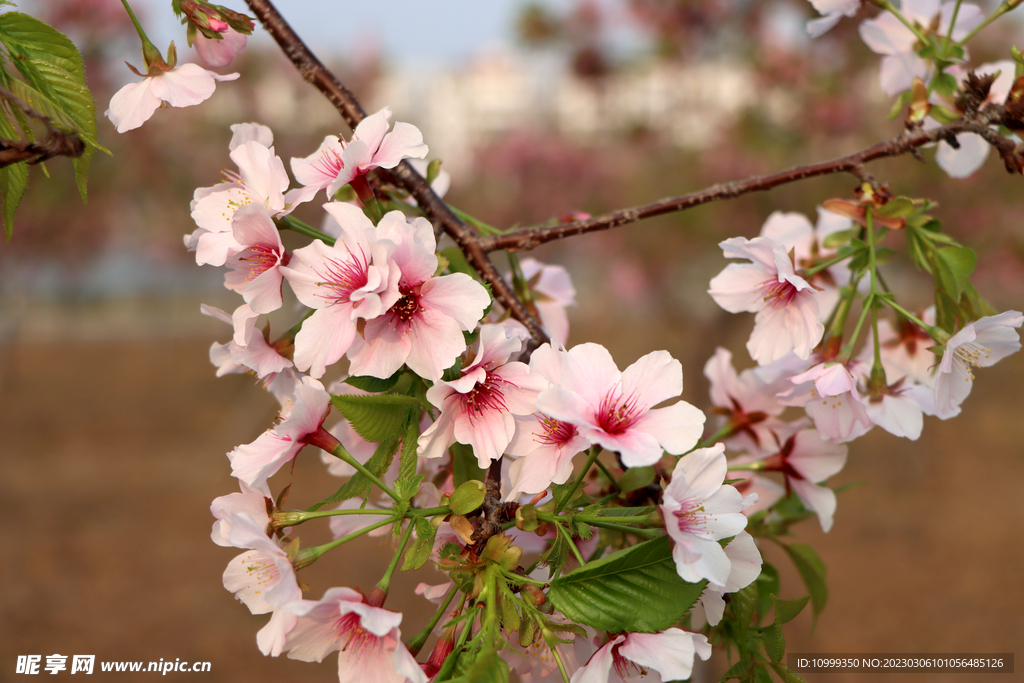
(616, 414)
(969, 355)
(406, 308)
(259, 258)
(262, 572)
(486, 395)
(777, 294)
(556, 432)
(353, 638)
(625, 668)
(329, 163)
(691, 517)
(343, 278)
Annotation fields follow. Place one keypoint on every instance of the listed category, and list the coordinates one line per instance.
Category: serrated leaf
(787, 610)
(812, 571)
(739, 670)
(419, 550)
(954, 266)
(409, 460)
(897, 207)
(626, 512)
(376, 417)
(788, 675)
(13, 181)
(774, 642)
(407, 488)
(636, 590)
(375, 385)
(767, 585)
(358, 484)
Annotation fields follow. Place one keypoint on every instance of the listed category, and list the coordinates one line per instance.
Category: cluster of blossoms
(377, 294)
(432, 380)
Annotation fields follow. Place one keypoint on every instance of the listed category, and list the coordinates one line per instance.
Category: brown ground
(112, 454)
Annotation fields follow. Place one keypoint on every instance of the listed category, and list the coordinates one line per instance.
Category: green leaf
(812, 571)
(407, 488)
(943, 115)
(838, 238)
(625, 512)
(787, 610)
(464, 465)
(944, 84)
(636, 478)
(13, 181)
(636, 590)
(376, 417)
(457, 262)
(954, 266)
(896, 208)
(467, 497)
(788, 675)
(408, 460)
(767, 586)
(374, 384)
(358, 484)
(419, 550)
(774, 642)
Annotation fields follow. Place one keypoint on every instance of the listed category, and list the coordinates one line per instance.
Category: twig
(528, 238)
(314, 72)
(57, 143)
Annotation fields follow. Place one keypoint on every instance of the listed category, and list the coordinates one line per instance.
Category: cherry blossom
(252, 501)
(670, 653)
(699, 511)
(746, 401)
(837, 414)
(886, 35)
(832, 11)
(744, 567)
(477, 409)
(254, 463)
(256, 269)
(616, 409)
(367, 637)
(973, 149)
(978, 345)
(544, 447)
(785, 303)
(263, 578)
(183, 86)
(552, 293)
(422, 329)
(807, 460)
(261, 179)
(336, 162)
(353, 279)
(248, 351)
(218, 53)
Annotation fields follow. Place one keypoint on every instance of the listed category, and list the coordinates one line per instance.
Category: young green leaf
(812, 571)
(377, 417)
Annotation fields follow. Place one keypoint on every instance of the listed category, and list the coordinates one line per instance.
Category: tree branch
(314, 72)
(910, 141)
(57, 143)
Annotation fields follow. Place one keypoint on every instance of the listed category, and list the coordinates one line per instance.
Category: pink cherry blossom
(785, 303)
(838, 416)
(256, 269)
(248, 351)
(252, 501)
(832, 11)
(552, 292)
(886, 35)
(422, 329)
(367, 637)
(807, 460)
(616, 409)
(184, 86)
(978, 345)
(973, 149)
(263, 578)
(218, 53)
(353, 279)
(699, 511)
(261, 179)
(744, 568)
(303, 415)
(544, 447)
(477, 408)
(670, 653)
(747, 401)
(336, 163)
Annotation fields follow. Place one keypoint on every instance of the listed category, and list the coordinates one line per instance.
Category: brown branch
(314, 72)
(57, 143)
(910, 141)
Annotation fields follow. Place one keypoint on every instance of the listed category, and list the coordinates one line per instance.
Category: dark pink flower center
(353, 638)
(625, 668)
(690, 516)
(259, 258)
(555, 432)
(616, 414)
(345, 277)
(777, 294)
(406, 308)
(486, 395)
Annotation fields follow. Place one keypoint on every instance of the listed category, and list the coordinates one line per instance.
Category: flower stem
(295, 225)
(646, 533)
(420, 639)
(308, 556)
(572, 546)
(604, 469)
(385, 581)
(558, 658)
(949, 33)
(594, 450)
(477, 223)
(1003, 9)
(329, 443)
(906, 22)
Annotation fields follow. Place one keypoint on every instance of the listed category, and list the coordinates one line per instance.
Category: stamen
(777, 294)
(615, 415)
(344, 278)
(556, 432)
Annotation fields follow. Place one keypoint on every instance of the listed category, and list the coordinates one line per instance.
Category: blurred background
(114, 426)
